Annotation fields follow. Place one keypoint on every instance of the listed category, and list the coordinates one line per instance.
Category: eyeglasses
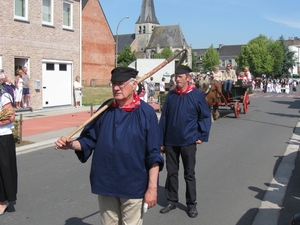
(228, 65)
(121, 85)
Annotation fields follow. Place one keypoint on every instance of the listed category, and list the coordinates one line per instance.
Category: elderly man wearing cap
(124, 141)
(185, 122)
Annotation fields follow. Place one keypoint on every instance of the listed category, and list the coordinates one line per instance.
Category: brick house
(44, 36)
(98, 45)
(57, 40)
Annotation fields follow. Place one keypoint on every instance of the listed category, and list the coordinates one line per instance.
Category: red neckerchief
(189, 88)
(131, 106)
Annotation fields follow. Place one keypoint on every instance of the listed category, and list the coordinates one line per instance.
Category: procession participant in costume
(124, 141)
(8, 161)
(185, 122)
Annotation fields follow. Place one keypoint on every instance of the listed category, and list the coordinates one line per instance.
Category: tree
(256, 56)
(262, 55)
(165, 53)
(277, 53)
(289, 59)
(126, 56)
(210, 59)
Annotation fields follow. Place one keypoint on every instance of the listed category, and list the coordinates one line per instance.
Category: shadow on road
(292, 105)
(274, 206)
(79, 221)
(162, 201)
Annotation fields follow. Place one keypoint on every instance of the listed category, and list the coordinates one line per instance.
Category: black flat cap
(182, 69)
(121, 74)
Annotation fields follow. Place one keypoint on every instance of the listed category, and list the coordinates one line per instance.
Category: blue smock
(185, 118)
(125, 145)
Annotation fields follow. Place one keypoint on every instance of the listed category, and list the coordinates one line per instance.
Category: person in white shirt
(77, 91)
(248, 74)
(162, 86)
(217, 74)
(19, 88)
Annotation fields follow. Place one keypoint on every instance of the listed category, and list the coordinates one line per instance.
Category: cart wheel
(246, 102)
(236, 109)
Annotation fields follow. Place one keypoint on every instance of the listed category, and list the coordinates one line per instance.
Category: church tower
(145, 24)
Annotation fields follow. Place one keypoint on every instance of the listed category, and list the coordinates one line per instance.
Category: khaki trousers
(120, 211)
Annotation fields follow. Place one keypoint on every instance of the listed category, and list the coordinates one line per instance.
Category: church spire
(147, 13)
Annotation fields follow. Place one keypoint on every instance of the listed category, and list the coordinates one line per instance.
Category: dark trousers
(227, 86)
(188, 156)
(8, 168)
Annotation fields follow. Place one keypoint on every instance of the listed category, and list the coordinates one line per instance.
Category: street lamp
(116, 50)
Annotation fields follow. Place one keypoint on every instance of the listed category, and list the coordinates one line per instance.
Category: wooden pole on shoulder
(102, 109)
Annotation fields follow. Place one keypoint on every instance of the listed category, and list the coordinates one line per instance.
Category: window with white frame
(47, 10)
(21, 9)
(67, 15)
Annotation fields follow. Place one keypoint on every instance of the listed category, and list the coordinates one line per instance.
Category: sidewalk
(44, 127)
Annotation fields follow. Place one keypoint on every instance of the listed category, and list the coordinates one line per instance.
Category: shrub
(162, 99)
(16, 131)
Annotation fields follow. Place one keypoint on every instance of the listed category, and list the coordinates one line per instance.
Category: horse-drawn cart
(216, 97)
(239, 94)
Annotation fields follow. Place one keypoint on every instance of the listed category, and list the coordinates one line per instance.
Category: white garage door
(57, 84)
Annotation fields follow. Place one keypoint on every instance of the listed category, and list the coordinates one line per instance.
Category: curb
(37, 146)
(279, 183)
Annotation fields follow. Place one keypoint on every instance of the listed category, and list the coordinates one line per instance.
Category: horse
(212, 90)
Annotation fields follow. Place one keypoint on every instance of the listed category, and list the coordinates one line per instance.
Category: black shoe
(193, 213)
(167, 209)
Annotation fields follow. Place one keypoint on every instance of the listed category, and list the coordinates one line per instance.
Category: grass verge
(96, 95)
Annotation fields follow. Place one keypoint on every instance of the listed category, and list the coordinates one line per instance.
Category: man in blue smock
(124, 141)
(185, 122)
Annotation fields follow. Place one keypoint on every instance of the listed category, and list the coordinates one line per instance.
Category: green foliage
(277, 53)
(126, 57)
(289, 59)
(96, 95)
(194, 63)
(162, 99)
(210, 59)
(16, 131)
(165, 53)
(256, 55)
(266, 56)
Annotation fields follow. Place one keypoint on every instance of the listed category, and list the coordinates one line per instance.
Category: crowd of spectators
(284, 85)
(18, 88)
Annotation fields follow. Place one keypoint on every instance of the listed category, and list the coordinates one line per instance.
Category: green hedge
(162, 99)
(16, 131)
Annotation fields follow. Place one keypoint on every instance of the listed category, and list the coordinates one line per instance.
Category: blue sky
(214, 22)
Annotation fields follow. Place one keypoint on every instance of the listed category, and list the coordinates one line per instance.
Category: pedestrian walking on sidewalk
(124, 142)
(185, 122)
(8, 162)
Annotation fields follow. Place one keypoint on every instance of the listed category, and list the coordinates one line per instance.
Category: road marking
(276, 96)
